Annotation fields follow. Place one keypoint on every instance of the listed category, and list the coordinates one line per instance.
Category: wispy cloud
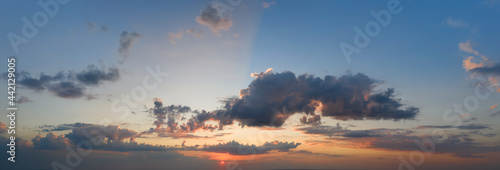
(127, 40)
(268, 4)
(172, 37)
(456, 23)
(467, 47)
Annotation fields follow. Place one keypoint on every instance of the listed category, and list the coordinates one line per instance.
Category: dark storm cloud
(70, 84)
(235, 148)
(272, 97)
(127, 40)
(212, 17)
(487, 70)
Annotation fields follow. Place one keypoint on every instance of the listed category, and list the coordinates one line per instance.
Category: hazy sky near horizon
(257, 73)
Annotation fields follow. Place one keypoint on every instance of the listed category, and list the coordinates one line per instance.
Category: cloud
(469, 63)
(468, 155)
(493, 107)
(62, 127)
(24, 99)
(212, 17)
(315, 120)
(166, 112)
(67, 89)
(272, 97)
(92, 26)
(467, 47)
(448, 144)
(456, 23)
(235, 148)
(470, 120)
(198, 34)
(175, 36)
(127, 40)
(100, 133)
(314, 154)
(339, 131)
(38, 84)
(94, 76)
(485, 67)
(493, 70)
(110, 138)
(50, 142)
(463, 127)
(268, 4)
(70, 84)
(495, 114)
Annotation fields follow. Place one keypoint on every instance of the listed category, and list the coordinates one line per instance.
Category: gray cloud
(109, 138)
(313, 153)
(495, 114)
(127, 40)
(62, 127)
(315, 120)
(50, 142)
(67, 89)
(24, 99)
(100, 133)
(463, 127)
(339, 131)
(235, 148)
(92, 26)
(167, 112)
(70, 84)
(213, 18)
(94, 76)
(493, 70)
(449, 144)
(468, 155)
(272, 97)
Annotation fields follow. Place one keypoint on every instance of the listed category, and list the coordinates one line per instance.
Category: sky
(240, 84)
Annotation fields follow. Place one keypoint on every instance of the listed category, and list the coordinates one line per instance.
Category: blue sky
(209, 61)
